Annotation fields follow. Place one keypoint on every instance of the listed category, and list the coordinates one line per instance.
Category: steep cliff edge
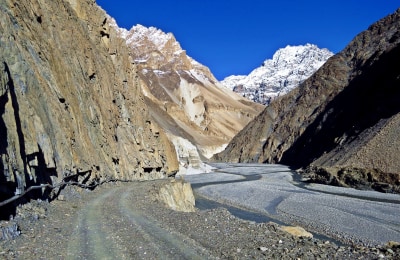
(345, 116)
(71, 105)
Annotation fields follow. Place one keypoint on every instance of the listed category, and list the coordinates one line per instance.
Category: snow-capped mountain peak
(138, 32)
(288, 67)
(154, 35)
(154, 47)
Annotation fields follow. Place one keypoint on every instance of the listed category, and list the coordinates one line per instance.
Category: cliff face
(71, 105)
(199, 114)
(345, 115)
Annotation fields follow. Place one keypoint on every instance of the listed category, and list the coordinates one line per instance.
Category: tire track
(162, 243)
(91, 239)
(111, 226)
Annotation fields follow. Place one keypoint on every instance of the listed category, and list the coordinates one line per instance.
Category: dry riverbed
(128, 221)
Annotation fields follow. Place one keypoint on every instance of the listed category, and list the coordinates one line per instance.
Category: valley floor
(349, 215)
(127, 221)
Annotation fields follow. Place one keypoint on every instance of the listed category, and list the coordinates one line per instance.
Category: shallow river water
(262, 193)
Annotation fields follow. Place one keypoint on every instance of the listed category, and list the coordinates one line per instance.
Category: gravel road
(127, 221)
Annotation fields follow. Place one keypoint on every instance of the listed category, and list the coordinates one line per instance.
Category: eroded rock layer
(346, 115)
(71, 105)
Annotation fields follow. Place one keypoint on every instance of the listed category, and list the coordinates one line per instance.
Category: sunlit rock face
(183, 95)
(71, 105)
(345, 115)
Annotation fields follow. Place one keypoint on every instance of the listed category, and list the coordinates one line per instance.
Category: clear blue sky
(234, 37)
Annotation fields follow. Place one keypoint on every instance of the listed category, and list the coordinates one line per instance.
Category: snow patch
(210, 151)
(188, 156)
(192, 171)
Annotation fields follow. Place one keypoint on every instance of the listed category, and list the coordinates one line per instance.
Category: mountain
(199, 114)
(288, 67)
(71, 105)
(343, 122)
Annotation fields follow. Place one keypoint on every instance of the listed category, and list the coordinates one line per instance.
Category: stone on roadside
(393, 244)
(178, 195)
(297, 231)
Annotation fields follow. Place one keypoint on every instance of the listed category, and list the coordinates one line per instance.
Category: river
(262, 192)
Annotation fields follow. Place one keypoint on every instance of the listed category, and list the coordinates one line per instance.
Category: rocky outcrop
(71, 105)
(183, 95)
(360, 178)
(345, 115)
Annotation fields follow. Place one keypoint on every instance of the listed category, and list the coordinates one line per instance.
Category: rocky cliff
(287, 69)
(199, 114)
(71, 106)
(345, 116)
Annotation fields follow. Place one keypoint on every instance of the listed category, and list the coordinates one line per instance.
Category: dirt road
(112, 227)
(127, 221)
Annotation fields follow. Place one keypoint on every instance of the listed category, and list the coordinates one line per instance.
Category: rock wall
(71, 105)
(345, 115)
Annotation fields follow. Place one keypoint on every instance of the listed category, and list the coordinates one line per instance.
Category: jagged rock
(345, 115)
(178, 195)
(9, 231)
(32, 211)
(70, 100)
(354, 177)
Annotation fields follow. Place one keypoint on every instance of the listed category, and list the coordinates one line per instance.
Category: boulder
(178, 195)
(297, 231)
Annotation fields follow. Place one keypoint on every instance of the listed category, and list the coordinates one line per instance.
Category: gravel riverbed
(129, 214)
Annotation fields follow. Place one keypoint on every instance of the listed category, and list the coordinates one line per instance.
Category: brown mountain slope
(344, 116)
(199, 114)
(70, 102)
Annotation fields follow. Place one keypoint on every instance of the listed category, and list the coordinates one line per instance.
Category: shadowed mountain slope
(346, 115)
